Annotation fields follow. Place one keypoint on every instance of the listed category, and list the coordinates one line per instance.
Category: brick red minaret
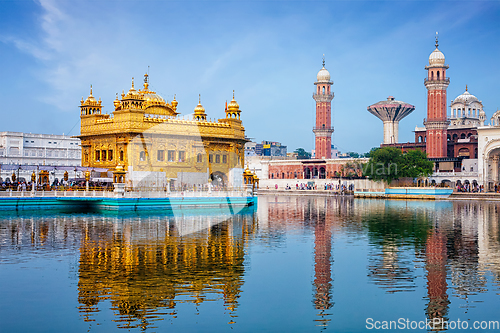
(436, 122)
(323, 129)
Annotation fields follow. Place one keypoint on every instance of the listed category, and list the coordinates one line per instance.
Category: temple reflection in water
(143, 267)
(151, 266)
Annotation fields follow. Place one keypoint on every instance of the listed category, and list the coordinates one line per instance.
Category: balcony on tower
(437, 79)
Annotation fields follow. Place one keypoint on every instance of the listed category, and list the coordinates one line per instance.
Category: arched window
(121, 155)
(432, 75)
(455, 137)
(462, 136)
(437, 75)
(449, 137)
(323, 90)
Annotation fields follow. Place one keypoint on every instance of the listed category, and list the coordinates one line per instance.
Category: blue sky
(269, 52)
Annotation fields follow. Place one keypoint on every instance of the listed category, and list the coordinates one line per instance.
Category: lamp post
(33, 181)
(87, 178)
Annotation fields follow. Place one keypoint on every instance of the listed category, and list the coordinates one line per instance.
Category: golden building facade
(146, 136)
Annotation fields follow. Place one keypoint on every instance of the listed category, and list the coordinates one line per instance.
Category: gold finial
(233, 93)
(132, 82)
(437, 44)
(199, 98)
(90, 90)
(323, 60)
(466, 88)
(146, 81)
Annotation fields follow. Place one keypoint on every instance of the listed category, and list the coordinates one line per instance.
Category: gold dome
(199, 109)
(90, 98)
(132, 91)
(233, 105)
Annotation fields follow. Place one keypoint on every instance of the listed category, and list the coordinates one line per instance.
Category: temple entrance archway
(491, 165)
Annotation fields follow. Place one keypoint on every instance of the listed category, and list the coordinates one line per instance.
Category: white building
(24, 152)
(489, 152)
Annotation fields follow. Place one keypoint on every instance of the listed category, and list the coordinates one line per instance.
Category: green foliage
(302, 154)
(353, 169)
(353, 154)
(385, 164)
(389, 163)
(416, 164)
(368, 154)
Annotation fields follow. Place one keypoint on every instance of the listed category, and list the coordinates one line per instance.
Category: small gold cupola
(132, 91)
(174, 104)
(90, 105)
(117, 103)
(132, 100)
(199, 111)
(233, 109)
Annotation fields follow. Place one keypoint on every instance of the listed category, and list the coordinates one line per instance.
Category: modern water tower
(391, 112)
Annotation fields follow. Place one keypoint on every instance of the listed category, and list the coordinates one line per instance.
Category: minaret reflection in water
(322, 260)
(435, 264)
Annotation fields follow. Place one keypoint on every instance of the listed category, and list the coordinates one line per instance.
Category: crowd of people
(63, 185)
(471, 188)
(339, 188)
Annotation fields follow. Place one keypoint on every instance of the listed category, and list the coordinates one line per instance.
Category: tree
(353, 154)
(354, 169)
(368, 154)
(385, 164)
(416, 164)
(390, 163)
(302, 154)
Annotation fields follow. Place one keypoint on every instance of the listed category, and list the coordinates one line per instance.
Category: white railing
(456, 174)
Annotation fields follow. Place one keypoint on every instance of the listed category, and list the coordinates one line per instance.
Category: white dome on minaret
(323, 74)
(437, 57)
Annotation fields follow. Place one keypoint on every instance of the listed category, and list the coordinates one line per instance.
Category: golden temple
(146, 137)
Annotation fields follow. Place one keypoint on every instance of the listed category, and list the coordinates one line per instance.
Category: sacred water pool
(291, 264)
